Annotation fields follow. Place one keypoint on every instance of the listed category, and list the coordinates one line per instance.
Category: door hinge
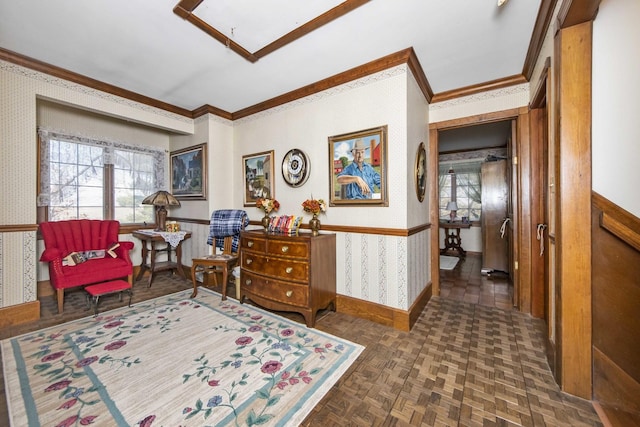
(515, 160)
(515, 265)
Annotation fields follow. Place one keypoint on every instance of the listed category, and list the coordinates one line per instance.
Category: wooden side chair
(224, 238)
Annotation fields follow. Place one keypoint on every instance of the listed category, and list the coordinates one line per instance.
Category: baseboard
(382, 314)
(44, 289)
(612, 386)
(614, 417)
(19, 313)
(419, 304)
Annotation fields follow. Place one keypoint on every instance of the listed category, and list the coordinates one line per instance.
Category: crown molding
(406, 56)
(480, 87)
(185, 9)
(540, 28)
(61, 73)
(574, 12)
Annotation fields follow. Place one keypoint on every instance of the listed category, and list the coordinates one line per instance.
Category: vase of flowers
(267, 206)
(314, 207)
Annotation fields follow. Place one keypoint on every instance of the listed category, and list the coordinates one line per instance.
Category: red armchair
(64, 237)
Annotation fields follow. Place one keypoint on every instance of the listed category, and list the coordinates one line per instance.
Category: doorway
(516, 131)
(473, 177)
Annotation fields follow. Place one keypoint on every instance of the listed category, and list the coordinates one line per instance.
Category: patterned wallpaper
(19, 89)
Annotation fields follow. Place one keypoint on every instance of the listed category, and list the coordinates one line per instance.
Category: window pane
(68, 152)
(143, 162)
(89, 155)
(134, 180)
(90, 196)
(123, 178)
(135, 214)
(90, 175)
(60, 214)
(124, 197)
(63, 174)
(468, 190)
(64, 196)
(76, 178)
(90, 212)
(123, 159)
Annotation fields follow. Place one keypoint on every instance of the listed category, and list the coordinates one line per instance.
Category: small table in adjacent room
(452, 240)
(171, 241)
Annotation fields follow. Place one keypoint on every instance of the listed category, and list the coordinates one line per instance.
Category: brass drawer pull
(289, 293)
(285, 249)
(249, 261)
(250, 244)
(288, 270)
(247, 282)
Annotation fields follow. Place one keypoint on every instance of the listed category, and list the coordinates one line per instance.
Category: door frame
(521, 204)
(542, 194)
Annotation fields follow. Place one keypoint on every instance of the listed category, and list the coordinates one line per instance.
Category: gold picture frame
(189, 173)
(421, 172)
(258, 177)
(351, 184)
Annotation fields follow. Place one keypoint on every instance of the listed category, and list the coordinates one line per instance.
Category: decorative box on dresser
(289, 273)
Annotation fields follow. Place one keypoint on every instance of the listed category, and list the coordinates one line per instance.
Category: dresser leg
(309, 317)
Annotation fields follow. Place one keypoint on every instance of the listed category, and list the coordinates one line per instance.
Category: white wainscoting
(17, 268)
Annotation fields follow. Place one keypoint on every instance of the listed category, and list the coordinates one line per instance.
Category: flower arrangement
(314, 206)
(267, 205)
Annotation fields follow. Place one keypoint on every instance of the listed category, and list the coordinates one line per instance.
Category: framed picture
(257, 174)
(358, 168)
(421, 172)
(189, 173)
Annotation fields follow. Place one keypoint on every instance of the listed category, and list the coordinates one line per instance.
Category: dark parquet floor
(470, 360)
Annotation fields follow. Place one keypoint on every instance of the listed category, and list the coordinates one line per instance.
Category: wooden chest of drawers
(289, 273)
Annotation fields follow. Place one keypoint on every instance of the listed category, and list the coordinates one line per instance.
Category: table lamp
(453, 207)
(161, 199)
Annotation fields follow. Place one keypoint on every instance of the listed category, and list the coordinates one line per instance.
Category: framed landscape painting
(358, 168)
(189, 173)
(257, 175)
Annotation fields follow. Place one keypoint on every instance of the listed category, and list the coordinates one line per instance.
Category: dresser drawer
(288, 248)
(277, 267)
(257, 244)
(275, 290)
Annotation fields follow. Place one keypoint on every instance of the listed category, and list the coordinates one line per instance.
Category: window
(467, 189)
(84, 178)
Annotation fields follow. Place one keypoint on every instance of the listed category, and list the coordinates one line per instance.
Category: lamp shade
(452, 206)
(161, 198)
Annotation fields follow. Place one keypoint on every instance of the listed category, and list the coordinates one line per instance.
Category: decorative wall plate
(295, 168)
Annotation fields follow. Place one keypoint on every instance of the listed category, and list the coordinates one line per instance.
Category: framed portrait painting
(358, 168)
(189, 173)
(257, 174)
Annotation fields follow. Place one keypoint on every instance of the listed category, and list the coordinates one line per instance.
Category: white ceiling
(144, 47)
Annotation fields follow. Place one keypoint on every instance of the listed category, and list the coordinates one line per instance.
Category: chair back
(227, 246)
(79, 235)
(224, 229)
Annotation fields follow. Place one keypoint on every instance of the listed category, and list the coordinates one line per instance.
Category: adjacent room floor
(470, 360)
(465, 283)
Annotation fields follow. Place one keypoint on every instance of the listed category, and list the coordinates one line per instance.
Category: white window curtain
(109, 149)
(468, 187)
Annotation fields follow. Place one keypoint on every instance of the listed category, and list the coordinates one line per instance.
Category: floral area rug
(173, 361)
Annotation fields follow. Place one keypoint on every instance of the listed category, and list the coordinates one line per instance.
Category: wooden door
(495, 236)
(542, 189)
